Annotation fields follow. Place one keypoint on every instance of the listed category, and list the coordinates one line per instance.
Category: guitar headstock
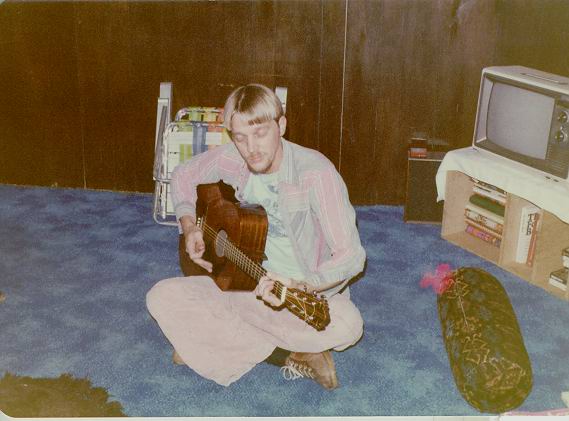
(308, 307)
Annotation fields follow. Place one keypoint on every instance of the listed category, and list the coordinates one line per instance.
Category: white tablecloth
(515, 178)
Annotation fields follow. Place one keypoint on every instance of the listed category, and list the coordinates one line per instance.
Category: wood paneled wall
(40, 118)
(79, 80)
(414, 66)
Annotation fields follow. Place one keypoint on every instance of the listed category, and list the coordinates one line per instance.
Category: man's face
(259, 144)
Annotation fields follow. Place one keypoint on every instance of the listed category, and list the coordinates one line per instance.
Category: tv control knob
(560, 136)
(563, 117)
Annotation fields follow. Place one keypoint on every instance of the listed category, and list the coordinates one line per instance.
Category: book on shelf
(487, 204)
(491, 194)
(533, 240)
(475, 216)
(483, 227)
(565, 256)
(489, 186)
(528, 228)
(472, 211)
(478, 233)
(558, 278)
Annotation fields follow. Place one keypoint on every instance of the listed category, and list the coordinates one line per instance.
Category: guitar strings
(253, 268)
(231, 250)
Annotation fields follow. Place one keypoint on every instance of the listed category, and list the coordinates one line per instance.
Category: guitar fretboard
(236, 256)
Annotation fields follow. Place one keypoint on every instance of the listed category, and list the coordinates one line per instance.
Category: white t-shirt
(262, 189)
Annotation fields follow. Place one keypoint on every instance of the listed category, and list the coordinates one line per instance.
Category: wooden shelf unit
(552, 235)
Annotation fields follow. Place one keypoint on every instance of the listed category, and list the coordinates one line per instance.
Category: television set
(523, 115)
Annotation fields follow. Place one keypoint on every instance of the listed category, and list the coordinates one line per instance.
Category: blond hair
(254, 102)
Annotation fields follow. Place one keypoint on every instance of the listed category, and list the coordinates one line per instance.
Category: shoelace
(295, 371)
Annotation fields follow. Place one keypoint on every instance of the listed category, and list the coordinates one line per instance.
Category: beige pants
(223, 335)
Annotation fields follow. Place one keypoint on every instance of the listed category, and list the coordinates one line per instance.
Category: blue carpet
(75, 266)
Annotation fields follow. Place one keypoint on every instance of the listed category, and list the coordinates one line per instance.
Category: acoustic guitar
(235, 234)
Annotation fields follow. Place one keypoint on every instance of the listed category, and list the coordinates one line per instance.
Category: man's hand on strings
(195, 246)
(266, 284)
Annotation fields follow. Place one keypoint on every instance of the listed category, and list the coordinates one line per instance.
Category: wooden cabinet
(552, 235)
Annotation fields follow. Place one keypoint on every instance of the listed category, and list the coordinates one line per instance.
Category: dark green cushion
(483, 341)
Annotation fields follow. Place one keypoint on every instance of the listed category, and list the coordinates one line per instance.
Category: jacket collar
(288, 173)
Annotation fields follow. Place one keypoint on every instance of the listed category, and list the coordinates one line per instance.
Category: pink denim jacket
(313, 200)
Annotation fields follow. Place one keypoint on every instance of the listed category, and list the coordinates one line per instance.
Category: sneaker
(177, 359)
(319, 367)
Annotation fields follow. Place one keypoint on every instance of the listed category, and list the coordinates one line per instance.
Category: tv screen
(519, 120)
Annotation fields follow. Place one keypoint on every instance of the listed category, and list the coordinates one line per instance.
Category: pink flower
(440, 281)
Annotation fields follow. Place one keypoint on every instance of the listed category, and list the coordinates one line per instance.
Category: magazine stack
(484, 213)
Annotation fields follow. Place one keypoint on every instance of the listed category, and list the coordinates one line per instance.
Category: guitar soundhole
(220, 242)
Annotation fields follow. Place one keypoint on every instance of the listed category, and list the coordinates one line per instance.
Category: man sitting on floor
(312, 244)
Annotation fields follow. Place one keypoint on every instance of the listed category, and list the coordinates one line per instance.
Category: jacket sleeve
(208, 167)
(337, 218)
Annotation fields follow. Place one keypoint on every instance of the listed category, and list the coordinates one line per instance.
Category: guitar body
(235, 235)
(243, 224)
